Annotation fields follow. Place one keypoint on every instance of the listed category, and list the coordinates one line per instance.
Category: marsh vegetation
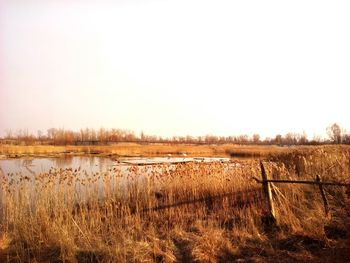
(189, 212)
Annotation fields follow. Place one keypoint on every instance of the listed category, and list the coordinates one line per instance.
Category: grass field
(193, 212)
(135, 149)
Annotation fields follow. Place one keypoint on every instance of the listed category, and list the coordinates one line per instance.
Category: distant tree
(291, 138)
(52, 133)
(211, 139)
(242, 139)
(8, 134)
(267, 141)
(316, 139)
(278, 139)
(190, 139)
(303, 138)
(39, 135)
(102, 135)
(346, 138)
(256, 138)
(142, 136)
(335, 133)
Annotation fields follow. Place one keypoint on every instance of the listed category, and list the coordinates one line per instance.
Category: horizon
(10, 134)
(175, 68)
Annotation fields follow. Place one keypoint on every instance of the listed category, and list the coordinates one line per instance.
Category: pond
(90, 164)
(87, 175)
(42, 165)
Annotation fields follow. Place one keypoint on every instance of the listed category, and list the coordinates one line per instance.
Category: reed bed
(118, 149)
(151, 149)
(192, 212)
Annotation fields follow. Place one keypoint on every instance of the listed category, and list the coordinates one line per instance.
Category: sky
(173, 68)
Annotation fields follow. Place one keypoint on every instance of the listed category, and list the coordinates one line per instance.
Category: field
(192, 212)
(135, 149)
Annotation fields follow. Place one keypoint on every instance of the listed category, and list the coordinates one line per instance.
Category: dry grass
(135, 149)
(121, 149)
(182, 213)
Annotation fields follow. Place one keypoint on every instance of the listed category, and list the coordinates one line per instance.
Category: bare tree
(8, 134)
(278, 139)
(346, 138)
(256, 138)
(335, 133)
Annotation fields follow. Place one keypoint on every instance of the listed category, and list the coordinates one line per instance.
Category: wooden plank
(324, 198)
(268, 194)
(302, 182)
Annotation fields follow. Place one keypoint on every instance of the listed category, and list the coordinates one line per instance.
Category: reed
(151, 149)
(192, 212)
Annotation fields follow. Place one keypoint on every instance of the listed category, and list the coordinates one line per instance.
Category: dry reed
(193, 212)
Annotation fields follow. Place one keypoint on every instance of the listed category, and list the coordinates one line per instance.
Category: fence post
(324, 198)
(268, 194)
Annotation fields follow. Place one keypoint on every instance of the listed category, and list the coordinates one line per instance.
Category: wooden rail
(265, 181)
(301, 182)
(245, 197)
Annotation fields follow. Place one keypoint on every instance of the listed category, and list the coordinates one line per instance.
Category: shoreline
(155, 150)
(135, 150)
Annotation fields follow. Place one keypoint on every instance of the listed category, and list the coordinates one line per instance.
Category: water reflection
(63, 162)
(42, 165)
(85, 177)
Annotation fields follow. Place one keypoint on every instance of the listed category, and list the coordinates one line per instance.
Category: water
(85, 174)
(43, 165)
(169, 159)
(90, 165)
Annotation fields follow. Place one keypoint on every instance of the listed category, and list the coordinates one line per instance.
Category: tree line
(53, 136)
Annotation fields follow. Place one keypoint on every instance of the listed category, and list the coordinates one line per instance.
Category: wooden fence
(255, 194)
(266, 186)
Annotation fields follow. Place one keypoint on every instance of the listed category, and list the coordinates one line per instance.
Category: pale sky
(182, 67)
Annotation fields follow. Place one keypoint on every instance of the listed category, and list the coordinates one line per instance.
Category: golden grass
(193, 212)
(153, 149)
(122, 149)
